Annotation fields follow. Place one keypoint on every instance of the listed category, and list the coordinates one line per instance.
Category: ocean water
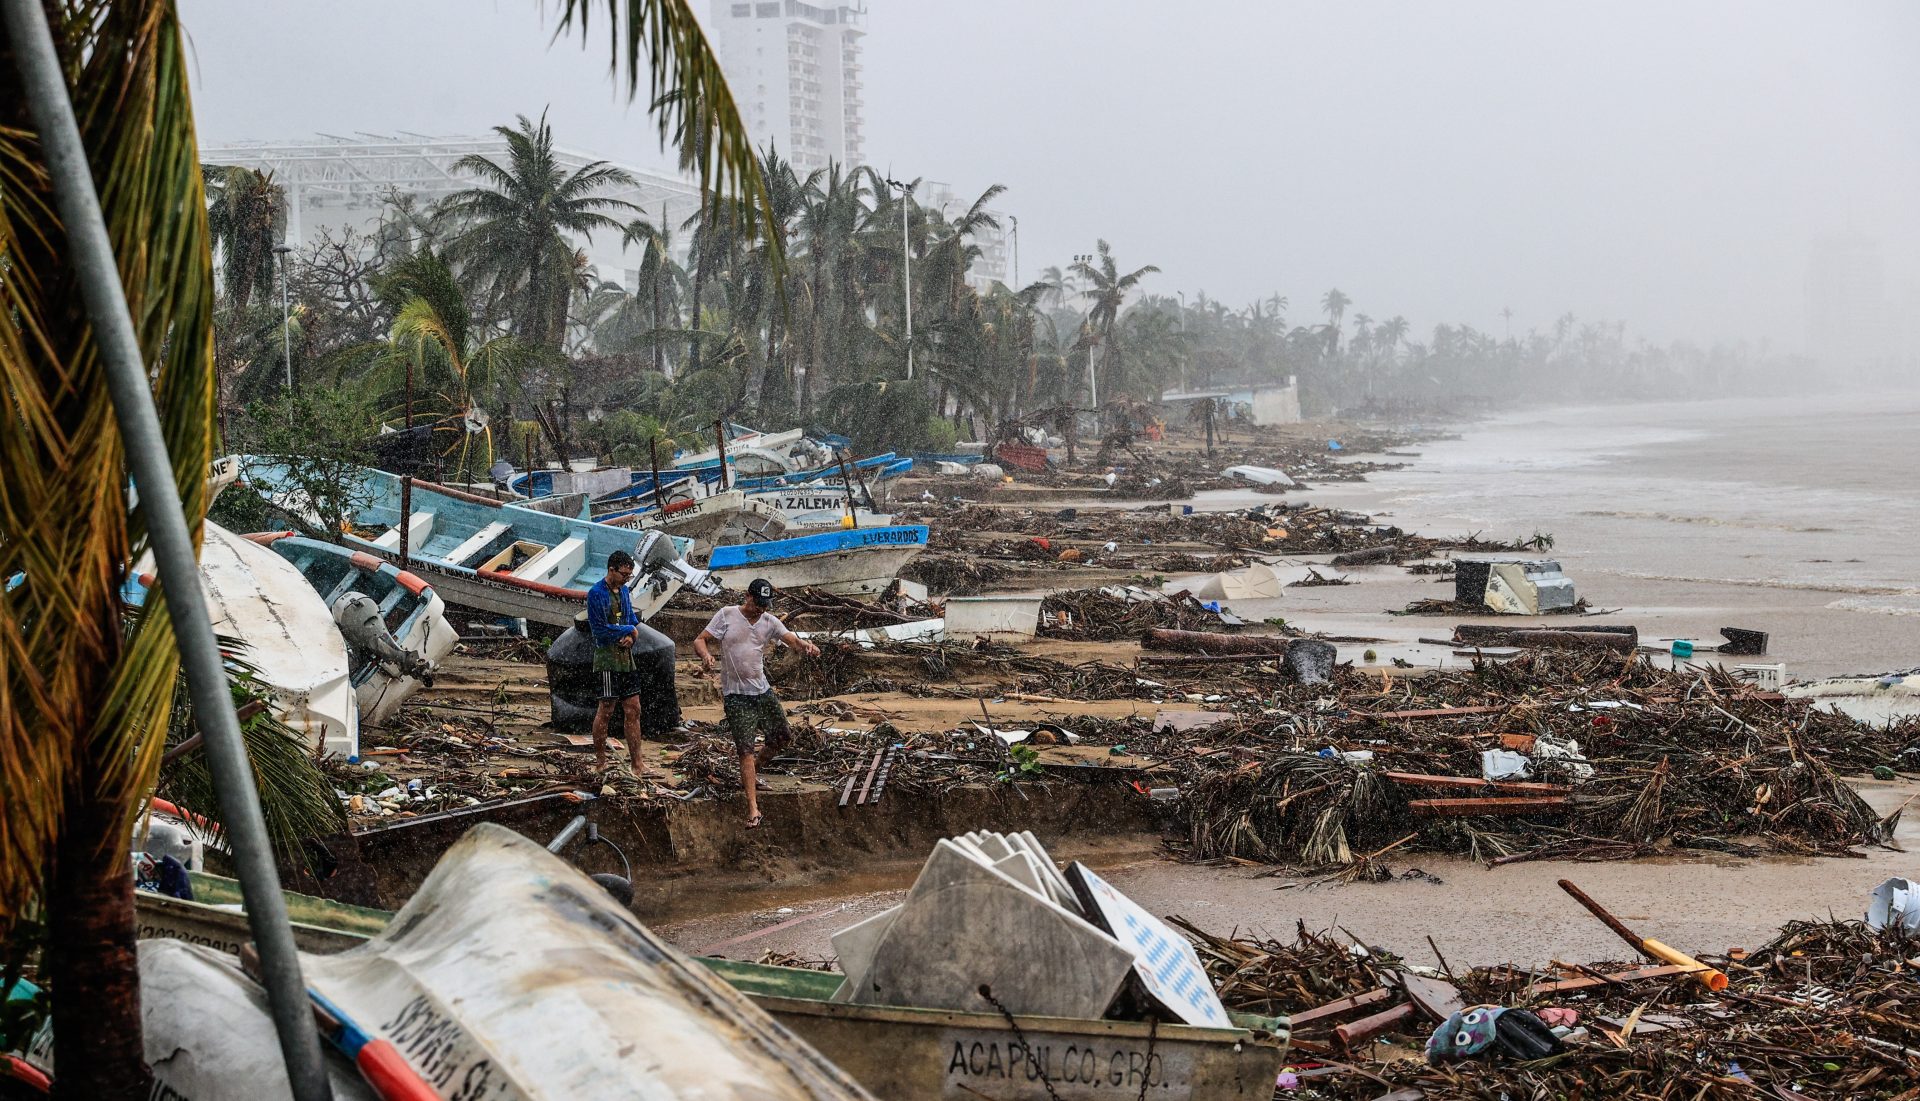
(1818, 495)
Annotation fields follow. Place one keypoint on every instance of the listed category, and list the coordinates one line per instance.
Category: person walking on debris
(614, 627)
(744, 631)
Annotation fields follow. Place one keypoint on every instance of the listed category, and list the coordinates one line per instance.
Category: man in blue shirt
(614, 626)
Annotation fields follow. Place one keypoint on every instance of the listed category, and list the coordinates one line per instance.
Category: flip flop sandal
(753, 822)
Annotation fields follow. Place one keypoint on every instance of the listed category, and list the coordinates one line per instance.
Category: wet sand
(1476, 915)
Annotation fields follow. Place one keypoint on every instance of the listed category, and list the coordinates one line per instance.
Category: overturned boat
(287, 634)
(509, 975)
(508, 559)
(394, 624)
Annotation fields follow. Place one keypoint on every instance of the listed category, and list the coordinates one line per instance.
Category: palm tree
(660, 285)
(443, 369)
(1106, 292)
(87, 688)
(1335, 302)
(247, 218)
(515, 220)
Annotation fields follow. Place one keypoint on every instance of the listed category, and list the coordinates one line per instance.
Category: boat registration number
(1083, 1069)
(901, 536)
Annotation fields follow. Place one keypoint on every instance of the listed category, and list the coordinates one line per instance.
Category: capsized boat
(509, 559)
(892, 1051)
(854, 560)
(288, 633)
(393, 622)
(511, 975)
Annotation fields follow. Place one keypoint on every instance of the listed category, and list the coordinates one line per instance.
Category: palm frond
(84, 693)
(663, 41)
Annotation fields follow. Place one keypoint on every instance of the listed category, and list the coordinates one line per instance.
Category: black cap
(761, 590)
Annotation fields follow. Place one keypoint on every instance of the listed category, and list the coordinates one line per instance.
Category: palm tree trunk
(757, 380)
(659, 351)
(91, 960)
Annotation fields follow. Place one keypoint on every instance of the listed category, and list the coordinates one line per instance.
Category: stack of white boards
(993, 925)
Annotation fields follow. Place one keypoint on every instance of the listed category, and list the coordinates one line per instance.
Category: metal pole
(720, 442)
(906, 267)
(286, 316)
(1016, 252)
(172, 542)
(659, 495)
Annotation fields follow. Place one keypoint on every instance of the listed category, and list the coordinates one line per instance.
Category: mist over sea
(1796, 513)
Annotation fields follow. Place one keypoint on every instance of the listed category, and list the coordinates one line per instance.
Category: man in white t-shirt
(744, 632)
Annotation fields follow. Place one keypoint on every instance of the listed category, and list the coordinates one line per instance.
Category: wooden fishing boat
(856, 560)
(393, 623)
(509, 559)
(893, 1052)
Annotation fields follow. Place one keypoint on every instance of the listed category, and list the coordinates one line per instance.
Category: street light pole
(906, 265)
(1093, 384)
(1016, 252)
(286, 315)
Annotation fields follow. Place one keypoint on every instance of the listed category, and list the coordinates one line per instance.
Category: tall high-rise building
(794, 69)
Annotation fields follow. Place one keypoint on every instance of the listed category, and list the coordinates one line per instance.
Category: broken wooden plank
(1474, 783)
(1366, 1028)
(1436, 998)
(1664, 971)
(1338, 1006)
(1499, 805)
(1429, 712)
(1213, 642)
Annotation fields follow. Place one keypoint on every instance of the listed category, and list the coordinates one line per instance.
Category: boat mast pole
(45, 84)
(853, 506)
(659, 494)
(406, 480)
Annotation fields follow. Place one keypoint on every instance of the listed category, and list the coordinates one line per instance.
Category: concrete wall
(1277, 404)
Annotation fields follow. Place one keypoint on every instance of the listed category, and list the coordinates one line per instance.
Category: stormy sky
(1667, 164)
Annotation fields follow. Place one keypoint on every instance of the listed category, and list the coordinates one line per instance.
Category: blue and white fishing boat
(394, 624)
(505, 558)
(856, 561)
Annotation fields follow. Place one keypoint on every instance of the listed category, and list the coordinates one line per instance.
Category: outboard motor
(358, 618)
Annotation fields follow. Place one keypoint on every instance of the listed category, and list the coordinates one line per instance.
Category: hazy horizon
(1666, 166)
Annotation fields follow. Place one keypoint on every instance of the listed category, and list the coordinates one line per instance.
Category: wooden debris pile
(1828, 1011)
(1620, 758)
(1101, 615)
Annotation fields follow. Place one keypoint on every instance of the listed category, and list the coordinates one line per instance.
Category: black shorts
(619, 686)
(748, 717)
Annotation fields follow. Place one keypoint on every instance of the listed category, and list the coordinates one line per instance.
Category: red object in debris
(1021, 456)
(1042, 542)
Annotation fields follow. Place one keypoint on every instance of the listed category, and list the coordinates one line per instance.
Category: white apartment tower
(794, 69)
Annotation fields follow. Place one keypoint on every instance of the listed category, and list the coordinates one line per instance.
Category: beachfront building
(337, 183)
(1261, 405)
(794, 69)
(994, 242)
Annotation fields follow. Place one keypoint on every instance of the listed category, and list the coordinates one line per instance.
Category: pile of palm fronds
(296, 798)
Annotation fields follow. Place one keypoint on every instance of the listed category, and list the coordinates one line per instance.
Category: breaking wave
(1708, 521)
(1855, 604)
(1772, 583)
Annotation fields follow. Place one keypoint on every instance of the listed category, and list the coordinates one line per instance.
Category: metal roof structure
(359, 172)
